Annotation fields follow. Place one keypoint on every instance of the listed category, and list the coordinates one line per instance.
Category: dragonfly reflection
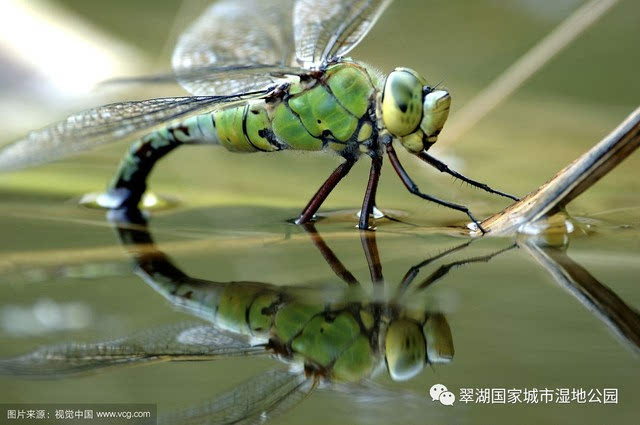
(329, 344)
(338, 344)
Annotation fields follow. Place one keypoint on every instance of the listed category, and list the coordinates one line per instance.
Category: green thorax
(335, 340)
(329, 111)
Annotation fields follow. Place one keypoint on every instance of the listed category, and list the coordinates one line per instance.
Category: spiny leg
(413, 188)
(336, 265)
(412, 273)
(446, 268)
(130, 182)
(324, 191)
(369, 201)
(444, 168)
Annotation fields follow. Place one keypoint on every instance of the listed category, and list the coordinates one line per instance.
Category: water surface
(513, 325)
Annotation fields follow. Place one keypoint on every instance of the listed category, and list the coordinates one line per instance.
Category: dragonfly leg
(412, 273)
(444, 168)
(336, 265)
(413, 188)
(370, 247)
(130, 182)
(446, 268)
(369, 202)
(324, 191)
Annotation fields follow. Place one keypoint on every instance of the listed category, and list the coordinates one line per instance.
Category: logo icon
(439, 392)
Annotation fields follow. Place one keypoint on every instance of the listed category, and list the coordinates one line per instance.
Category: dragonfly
(268, 76)
(339, 344)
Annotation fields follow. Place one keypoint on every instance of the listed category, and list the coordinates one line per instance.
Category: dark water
(65, 277)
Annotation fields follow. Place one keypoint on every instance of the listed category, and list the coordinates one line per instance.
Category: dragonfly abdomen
(245, 128)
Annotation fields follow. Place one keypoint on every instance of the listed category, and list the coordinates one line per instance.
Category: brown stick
(605, 304)
(570, 182)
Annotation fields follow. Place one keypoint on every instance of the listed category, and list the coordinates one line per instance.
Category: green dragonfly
(266, 76)
(337, 344)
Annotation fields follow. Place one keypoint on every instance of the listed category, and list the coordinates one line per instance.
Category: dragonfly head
(405, 349)
(410, 345)
(412, 110)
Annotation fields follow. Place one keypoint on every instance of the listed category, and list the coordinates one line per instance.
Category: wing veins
(206, 101)
(330, 48)
(332, 28)
(239, 34)
(272, 70)
(110, 123)
(184, 342)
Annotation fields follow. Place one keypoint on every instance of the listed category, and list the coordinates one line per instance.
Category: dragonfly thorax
(412, 111)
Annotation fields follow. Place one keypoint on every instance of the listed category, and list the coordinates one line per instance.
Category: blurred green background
(564, 109)
(512, 326)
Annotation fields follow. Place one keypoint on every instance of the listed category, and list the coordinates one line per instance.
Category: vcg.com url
(122, 415)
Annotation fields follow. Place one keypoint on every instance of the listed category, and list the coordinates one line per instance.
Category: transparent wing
(240, 35)
(219, 79)
(255, 401)
(186, 341)
(331, 28)
(104, 124)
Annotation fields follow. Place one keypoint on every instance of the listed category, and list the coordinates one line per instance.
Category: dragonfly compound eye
(435, 107)
(439, 339)
(405, 349)
(402, 102)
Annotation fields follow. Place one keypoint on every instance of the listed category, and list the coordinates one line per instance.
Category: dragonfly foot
(302, 220)
(376, 213)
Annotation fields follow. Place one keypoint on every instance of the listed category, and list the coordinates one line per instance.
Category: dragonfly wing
(369, 392)
(244, 36)
(255, 401)
(187, 341)
(118, 121)
(331, 28)
(211, 79)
